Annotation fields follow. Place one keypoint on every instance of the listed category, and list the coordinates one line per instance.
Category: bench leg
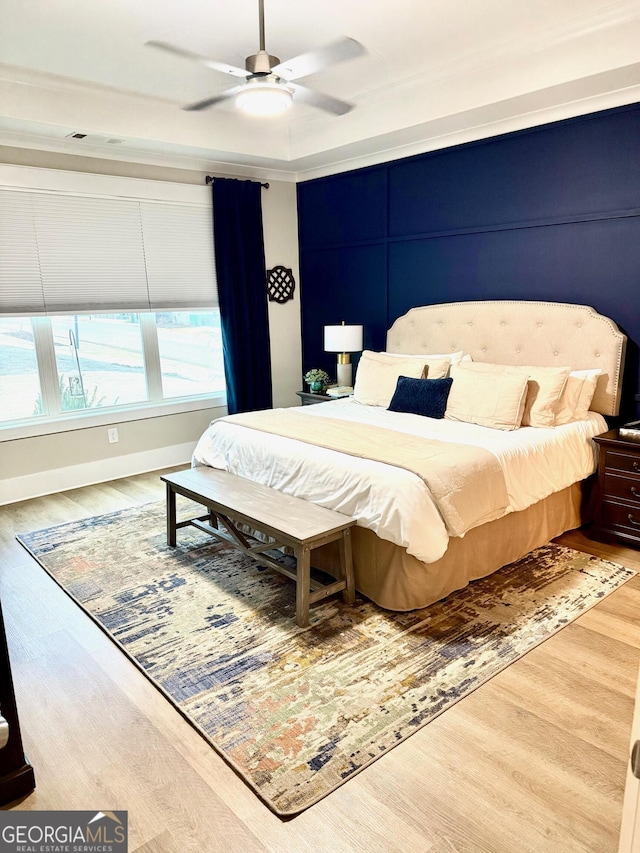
(171, 516)
(346, 566)
(303, 586)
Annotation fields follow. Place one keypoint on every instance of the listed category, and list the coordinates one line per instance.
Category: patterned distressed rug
(297, 712)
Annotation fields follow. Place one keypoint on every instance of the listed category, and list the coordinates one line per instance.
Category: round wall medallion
(280, 284)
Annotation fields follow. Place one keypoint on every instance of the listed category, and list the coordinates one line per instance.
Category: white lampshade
(343, 338)
(264, 99)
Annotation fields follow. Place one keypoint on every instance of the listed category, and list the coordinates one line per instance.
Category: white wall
(280, 223)
(48, 463)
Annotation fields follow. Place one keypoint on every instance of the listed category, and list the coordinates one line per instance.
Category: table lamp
(343, 340)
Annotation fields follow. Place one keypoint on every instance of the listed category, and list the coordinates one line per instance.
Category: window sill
(107, 417)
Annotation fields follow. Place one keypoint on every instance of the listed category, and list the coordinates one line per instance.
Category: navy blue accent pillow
(426, 397)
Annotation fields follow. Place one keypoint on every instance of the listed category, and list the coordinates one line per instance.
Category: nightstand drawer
(625, 488)
(619, 517)
(626, 462)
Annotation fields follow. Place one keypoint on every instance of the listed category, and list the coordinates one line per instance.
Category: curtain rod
(209, 180)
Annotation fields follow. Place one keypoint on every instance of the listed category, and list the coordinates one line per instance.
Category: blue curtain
(242, 291)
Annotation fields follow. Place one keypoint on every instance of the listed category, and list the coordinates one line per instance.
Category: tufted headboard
(510, 332)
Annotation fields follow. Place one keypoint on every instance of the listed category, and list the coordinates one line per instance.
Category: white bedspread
(391, 501)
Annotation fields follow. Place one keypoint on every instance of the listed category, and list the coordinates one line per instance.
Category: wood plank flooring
(534, 760)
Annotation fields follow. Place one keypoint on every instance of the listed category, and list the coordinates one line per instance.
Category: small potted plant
(317, 380)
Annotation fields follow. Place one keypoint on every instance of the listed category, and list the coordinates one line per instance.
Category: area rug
(299, 711)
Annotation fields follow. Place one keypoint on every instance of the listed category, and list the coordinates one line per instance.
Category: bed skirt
(395, 580)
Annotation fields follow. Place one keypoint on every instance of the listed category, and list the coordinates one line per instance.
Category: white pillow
(377, 377)
(545, 387)
(454, 357)
(488, 398)
(438, 364)
(390, 358)
(437, 367)
(577, 396)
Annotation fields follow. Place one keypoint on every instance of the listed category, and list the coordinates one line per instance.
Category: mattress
(392, 502)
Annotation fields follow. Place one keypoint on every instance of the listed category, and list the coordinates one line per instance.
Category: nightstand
(617, 510)
(308, 399)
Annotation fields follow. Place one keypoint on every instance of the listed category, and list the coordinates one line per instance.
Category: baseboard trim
(75, 476)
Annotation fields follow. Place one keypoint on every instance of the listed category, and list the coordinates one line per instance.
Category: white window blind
(20, 281)
(91, 253)
(64, 253)
(178, 246)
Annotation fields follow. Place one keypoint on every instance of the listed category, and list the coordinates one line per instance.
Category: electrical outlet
(113, 435)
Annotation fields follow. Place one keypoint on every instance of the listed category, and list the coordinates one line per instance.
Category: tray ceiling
(435, 73)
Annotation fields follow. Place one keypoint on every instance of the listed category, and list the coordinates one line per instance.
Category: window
(190, 347)
(99, 360)
(19, 379)
(108, 303)
(106, 361)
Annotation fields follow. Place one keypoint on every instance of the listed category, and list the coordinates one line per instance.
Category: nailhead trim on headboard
(512, 332)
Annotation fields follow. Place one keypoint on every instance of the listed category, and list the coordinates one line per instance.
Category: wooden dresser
(617, 510)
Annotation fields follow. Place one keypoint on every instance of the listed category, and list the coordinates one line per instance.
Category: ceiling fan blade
(215, 99)
(320, 100)
(198, 57)
(316, 60)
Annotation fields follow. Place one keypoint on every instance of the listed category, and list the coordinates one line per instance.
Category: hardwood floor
(534, 760)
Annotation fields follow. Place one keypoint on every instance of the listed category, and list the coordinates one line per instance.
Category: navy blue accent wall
(550, 213)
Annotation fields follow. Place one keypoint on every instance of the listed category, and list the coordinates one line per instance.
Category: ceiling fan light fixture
(264, 99)
(263, 91)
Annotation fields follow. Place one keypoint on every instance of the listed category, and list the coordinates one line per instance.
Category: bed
(423, 532)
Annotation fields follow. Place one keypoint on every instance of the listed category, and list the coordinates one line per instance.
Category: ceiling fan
(268, 85)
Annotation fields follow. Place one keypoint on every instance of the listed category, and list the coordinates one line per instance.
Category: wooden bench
(286, 520)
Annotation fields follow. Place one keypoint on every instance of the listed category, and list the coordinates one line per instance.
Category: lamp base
(345, 374)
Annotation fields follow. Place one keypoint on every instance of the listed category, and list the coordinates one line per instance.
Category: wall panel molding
(546, 213)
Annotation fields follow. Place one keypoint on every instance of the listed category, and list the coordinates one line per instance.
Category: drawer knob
(635, 492)
(636, 465)
(633, 521)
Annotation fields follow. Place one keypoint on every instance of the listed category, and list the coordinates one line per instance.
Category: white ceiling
(436, 72)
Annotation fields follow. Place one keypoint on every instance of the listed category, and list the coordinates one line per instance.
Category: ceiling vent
(94, 138)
